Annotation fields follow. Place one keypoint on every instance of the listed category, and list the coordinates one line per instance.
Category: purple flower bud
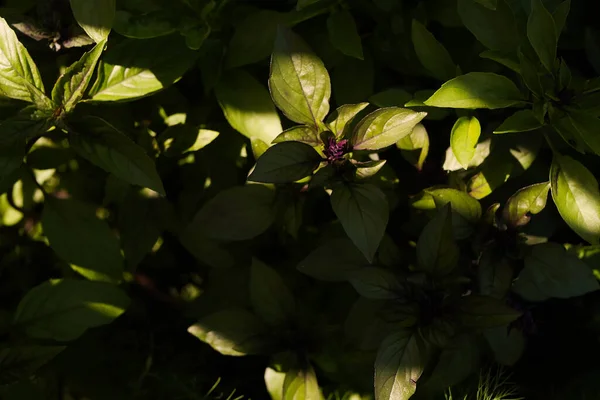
(335, 150)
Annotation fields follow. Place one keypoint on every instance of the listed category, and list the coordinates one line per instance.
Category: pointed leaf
(542, 34)
(81, 239)
(247, 106)
(437, 252)
(19, 76)
(363, 211)
(576, 195)
(477, 90)
(96, 17)
(431, 53)
(579, 129)
(143, 26)
(463, 139)
(133, 68)
(415, 147)
(63, 309)
(477, 311)
(301, 384)
(528, 200)
(384, 127)
(521, 121)
(300, 133)
(233, 332)
(285, 162)
(341, 119)
(560, 14)
(497, 30)
(400, 361)
(298, 81)
(70, 86)
(333, 261)
(551, 272)
(375, 283)
(103, 145)
(270, 297)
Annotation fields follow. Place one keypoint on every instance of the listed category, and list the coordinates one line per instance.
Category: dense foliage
(299, 199)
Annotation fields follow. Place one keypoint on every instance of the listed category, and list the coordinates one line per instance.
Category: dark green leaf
(353, 80)
(270, 298)
(437, 251)
(476, 311)
(495, 274)
(238, 213)
(184, 138)
(392, 97)
(19, 76)
(233, 332)
(133, 68)
(341, 119)
(333, 261)
(285, 162)
(477, 90)
(300, 133)
(521, 121)
(384, 127)
(363, 211)
(96, 17)
(19, 362)
(431, 53)
(528, 200)
(551, 272)
(580, 130)
(253, 38)
(497, 29)
(298, 80)
(103, 145)
(247, 106)
(560, 14)
(343, 34)
(542, 34)
(143, 26)
(375, 283)
(529, 72)
(81, 239)
(463, 139)
(509, 62)
(400, 361)
(63, 309)
(564, 75)
(576, 195)
(70, 86)
(507, 345)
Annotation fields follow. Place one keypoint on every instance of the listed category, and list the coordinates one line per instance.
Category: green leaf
(392, 97)
(463, 139)
(81, 239)
(253, 38)
(63, 309)
(270, 298)
(477, 90)
(341, 119)
(19, 76)
(400, 361)
(560, 14)
(103, 145)
(238, 213)
(343, 34)
(551, 272)
(300, 133)
(71, 85)
(143, 26)
(508, 61)
(431, 53)
(437, 252)
(298, 81)
(520, 121)
(363, 211)
(507, 345)
(133, 68)
(375, 283)
(542, 34)
(491, 4)
(576, 195)
(368, 169)
(497, 30)
(579, 130)
(528, 200)
(285, 162)
(96, 17)
(233, 332)
(495, 273)
(19, 362)
(247, 106)
(529, 72)
(333, 261)
(353, 80)
(415, 147)
(301, 384)
(564, 75)
(184, 138)
(477, 311)
(384, 127)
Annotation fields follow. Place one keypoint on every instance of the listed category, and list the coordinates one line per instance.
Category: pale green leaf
(300, 133)
(96, 17)
(384, 127)
(463, 139)
(528, 200)
(341, 119)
